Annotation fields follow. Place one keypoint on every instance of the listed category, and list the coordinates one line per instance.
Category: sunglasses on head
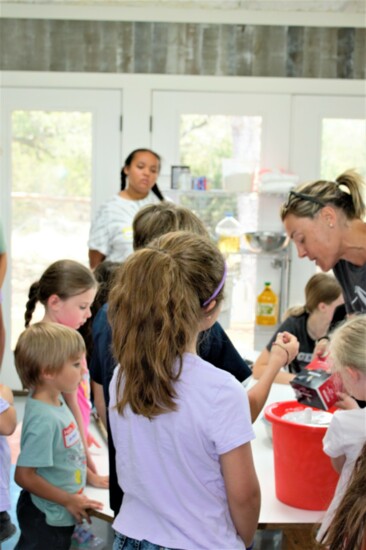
(304, 197)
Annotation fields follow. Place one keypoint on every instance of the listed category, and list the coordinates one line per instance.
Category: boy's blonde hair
(347, 344)
(45, 347)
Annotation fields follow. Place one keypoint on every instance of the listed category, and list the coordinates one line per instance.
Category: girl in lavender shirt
(181, 427)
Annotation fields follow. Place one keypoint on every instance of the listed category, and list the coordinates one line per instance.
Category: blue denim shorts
(121, 542)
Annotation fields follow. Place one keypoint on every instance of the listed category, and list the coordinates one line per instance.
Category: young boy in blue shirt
(51, 468)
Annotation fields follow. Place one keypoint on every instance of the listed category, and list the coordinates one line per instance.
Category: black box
(316, 388)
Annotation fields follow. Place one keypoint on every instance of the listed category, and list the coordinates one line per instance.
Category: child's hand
(286, 346)
(92, 441)
(346, 402)
(321, 348)
(102, 482)
(80, 505)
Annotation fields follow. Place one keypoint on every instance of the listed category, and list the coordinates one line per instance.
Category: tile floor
(264, 540)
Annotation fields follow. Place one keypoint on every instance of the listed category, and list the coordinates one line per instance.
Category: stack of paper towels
(276, 181)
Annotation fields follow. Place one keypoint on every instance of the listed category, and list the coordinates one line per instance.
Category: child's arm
(77, 504)
(262, 366)
(284, 350)
(242, 490)
(8, 418)
(99, 402)
(72, 402)
(96, 480)
(3, 263)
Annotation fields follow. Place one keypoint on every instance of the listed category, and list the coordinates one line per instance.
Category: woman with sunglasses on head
(325, 219)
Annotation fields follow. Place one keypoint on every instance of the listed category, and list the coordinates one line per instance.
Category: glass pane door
(343, 146)
(57, 160)
(225, 139)
(50, 199)
(219, 147)
(328, 135)
(221, 133)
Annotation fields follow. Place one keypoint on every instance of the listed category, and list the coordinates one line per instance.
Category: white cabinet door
(170, 108)
(60, 160)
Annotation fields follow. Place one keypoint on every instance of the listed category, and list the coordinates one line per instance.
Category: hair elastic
(343, 187)
(284, 349)
(219, 287)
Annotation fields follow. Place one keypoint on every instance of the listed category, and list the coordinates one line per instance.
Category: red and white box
(316, 388)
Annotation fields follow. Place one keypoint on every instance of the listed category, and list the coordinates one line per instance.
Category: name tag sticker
(70, 435)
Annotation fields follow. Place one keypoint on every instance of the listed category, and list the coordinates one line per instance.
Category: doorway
(61, 160)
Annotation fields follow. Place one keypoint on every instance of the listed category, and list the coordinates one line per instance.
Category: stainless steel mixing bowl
(265, 241)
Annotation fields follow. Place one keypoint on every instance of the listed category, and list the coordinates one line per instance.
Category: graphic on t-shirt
(77, 459)
(70, 435)
(78, 477)
(304, 357)
(360, 295)
(127, 232)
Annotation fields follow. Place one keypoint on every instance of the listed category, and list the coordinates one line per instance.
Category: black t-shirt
(352, 279)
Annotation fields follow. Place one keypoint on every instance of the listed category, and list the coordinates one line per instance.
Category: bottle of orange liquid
(267, 306)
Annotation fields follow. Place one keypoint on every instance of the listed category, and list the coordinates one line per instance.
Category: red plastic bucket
(304, 476)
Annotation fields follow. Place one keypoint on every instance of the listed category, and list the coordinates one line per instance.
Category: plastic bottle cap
(267, 284)
(229, 227)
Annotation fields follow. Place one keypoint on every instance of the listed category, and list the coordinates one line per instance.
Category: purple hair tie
(219, 287)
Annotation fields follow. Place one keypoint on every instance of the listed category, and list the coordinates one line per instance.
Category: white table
(100, 457)
(294, 522)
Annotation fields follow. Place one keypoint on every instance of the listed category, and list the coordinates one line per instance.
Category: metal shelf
(283, 254)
